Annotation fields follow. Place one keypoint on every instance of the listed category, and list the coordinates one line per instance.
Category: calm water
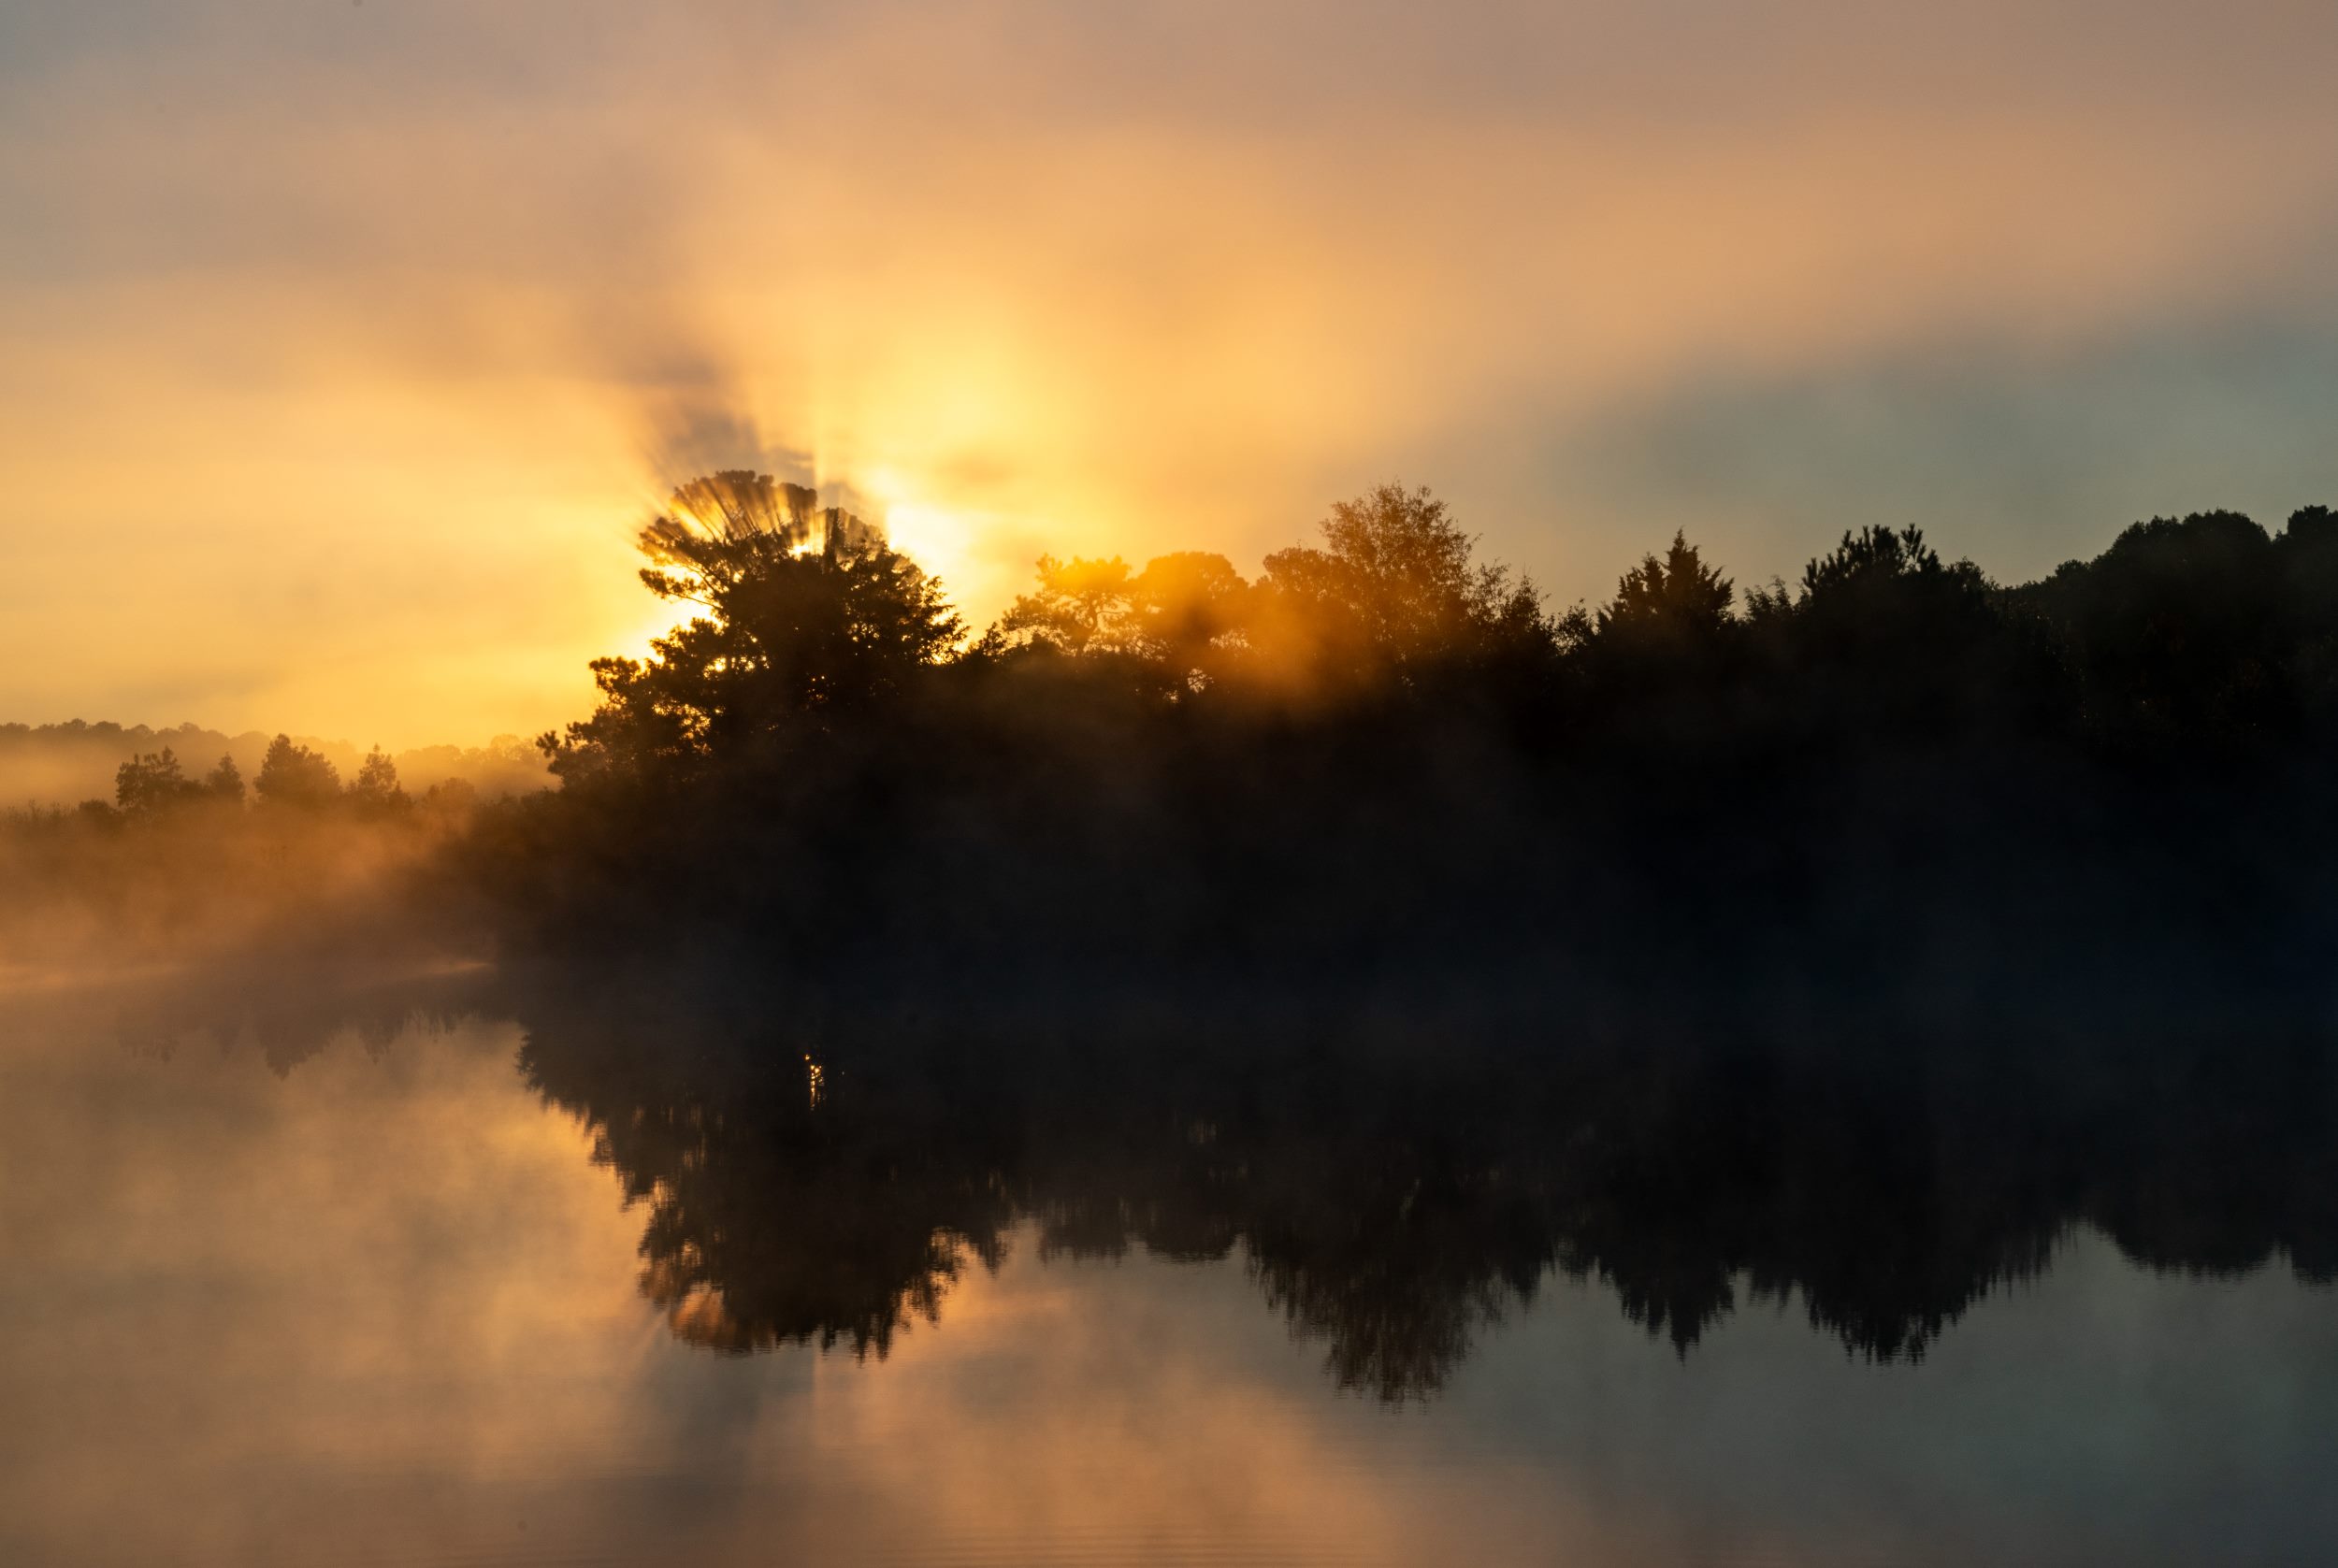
(295, 1292)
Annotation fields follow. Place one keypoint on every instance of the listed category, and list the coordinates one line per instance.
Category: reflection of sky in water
(381, 1309)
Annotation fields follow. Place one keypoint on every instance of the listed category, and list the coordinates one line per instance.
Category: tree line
(1378, 777)
(292, 776)
(68, 763)
(184, 863)
(1386, 770)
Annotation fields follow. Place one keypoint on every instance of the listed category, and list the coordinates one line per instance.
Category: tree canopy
(789, 635)
(1380, 757)
(293, 775)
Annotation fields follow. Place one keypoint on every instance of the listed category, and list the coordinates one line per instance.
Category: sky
(344, 347)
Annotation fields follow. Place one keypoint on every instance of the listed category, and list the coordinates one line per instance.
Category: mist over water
(1342, 1065)
(558, 1269)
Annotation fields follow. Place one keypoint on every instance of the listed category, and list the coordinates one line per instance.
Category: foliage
(1675, 599)
(789, 640)
(1391, 596)
(293, 775)
(1079, 605)
(225, 782)
(148, 784)
(1380, 769)
(2177, 633)
(375, 790)
(1381, 764)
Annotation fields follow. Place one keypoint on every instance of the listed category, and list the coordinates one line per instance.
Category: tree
(375, 789)
(738, 504)
(450, 799)
(1661, 660)
(1187, 608)
(2178, 631)
(1674, 600)
(1391, 593)
(789, 638)
(1885, 633)
(1079, 604)
(1870, 558)
(1881, 595)
(293, 775)
(225, 782)
(1178, 618)
(149, 785)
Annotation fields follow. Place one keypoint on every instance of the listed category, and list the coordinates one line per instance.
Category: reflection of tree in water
(289, 1006)
(774, 1219)
(768, 1225)
(1397, 1206)
(1398, 1280)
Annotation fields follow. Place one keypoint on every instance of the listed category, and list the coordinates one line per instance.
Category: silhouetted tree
(787, 638)
(738, 506)
(292, 774)
(1078, 604)
(450, 799)
(1667, 635)
(375, 790)
(2308, 549)
(1382, 769)
(1884, 636)
(225, 782)
(2176, 632)
(1192, 610)
(1390, 594)
(149, 785)
(1673, 599)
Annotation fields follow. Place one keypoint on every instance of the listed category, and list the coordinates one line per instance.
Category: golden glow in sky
(348, 347)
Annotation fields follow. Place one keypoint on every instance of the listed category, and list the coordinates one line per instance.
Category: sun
(939, 541)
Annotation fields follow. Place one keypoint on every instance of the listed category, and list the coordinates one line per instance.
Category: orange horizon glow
(344, 366)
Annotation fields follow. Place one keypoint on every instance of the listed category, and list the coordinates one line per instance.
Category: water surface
(276, 1289)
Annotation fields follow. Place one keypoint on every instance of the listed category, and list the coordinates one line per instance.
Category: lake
(458, 1281)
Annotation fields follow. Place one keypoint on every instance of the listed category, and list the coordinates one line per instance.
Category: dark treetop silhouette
(1380, 776)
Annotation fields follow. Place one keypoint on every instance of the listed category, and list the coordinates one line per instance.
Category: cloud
(409, 312)
(2017, 458)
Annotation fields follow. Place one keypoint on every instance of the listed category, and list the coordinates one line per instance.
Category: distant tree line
(67, 762)
(184, 864)
(293, 777)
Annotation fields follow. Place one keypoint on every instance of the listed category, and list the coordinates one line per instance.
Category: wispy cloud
(349, 343)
